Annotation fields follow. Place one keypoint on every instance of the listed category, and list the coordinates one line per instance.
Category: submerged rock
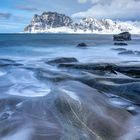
(125, 36)
(120, 44)
(127, 52)
(89, 66)
(4, 116)
(130, 70)
(62, 60)
(8, 62)
(137, 52)
(82, 44)
(130, 91)
(130, 52)
(119, 49)
(133, 71)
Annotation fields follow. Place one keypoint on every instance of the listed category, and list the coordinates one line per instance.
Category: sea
(38, 46)
(42, 97)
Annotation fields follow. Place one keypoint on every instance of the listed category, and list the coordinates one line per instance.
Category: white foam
(71, 94)
(119, 102)
(29, 92)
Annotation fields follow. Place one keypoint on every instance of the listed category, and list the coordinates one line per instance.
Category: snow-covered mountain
(52, 22)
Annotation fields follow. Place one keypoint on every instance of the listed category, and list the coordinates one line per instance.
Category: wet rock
(120, 44)
(131, 70)
(130, 91)
(52, 76)
(127, 52)
(72, 110)
(68, 113)
(8, 62)
(130, 52)
(89, 66)
(137, 52)
(132, 110)
(82, 45)
(119, 49)
(4, 116)
(125, 36)
(62, 60)
(77, 112)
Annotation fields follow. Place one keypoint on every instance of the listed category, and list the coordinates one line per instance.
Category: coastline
(57, 89)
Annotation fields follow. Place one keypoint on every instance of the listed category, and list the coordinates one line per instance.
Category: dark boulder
(82, 45)
(125, 36)
(62, 60)
(120, 44)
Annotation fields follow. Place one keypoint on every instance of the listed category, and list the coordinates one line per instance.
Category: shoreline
(52, 89)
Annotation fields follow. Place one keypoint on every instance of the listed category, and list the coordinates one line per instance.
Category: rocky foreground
(85, 101)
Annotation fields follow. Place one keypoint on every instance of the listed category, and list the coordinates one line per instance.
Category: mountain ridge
(53, 22)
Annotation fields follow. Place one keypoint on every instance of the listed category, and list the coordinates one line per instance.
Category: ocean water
(84, 100)
(38, 46)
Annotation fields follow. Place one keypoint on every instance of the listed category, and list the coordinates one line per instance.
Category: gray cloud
(5, 15)
(27, 8)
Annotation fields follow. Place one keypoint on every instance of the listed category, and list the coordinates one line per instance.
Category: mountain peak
(56, 22)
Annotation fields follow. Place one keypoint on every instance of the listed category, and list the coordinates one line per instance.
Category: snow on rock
(53, 22)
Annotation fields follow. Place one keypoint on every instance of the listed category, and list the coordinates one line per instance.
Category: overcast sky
(16, 14)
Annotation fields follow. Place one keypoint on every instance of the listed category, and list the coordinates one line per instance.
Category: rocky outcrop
(125, 36)
(82, 45)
